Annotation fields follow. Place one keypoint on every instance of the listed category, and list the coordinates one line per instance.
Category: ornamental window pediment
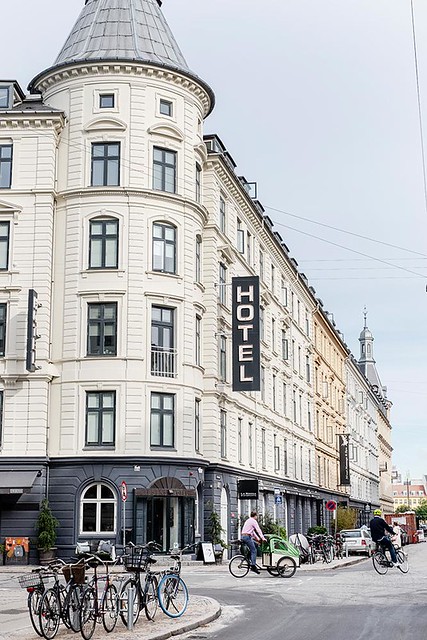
(105, 124)
(167, 131)
(9, 208)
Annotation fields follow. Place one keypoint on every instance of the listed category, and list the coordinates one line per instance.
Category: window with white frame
(240, 237)
(198, 340)
(261, 265)
(222, 215)
(223, 358)
(249, 248)
(285, 346)
(222, 284)
(239, 439)
(263, 449)
(251, 443)
(223, 428)
(197, 403)
(273, 334)
(198, 182)
(285, 398)
(276, 454)
(98, 510)
(284, 294)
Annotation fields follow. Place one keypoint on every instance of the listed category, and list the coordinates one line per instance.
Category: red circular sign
(124, 491)
(331, 505)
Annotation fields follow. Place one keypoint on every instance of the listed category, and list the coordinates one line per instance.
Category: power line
(420, 118)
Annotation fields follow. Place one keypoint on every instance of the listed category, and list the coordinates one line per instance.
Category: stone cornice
(32, 120)
(71, 72)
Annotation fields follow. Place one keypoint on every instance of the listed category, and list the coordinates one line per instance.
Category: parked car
(358, 541)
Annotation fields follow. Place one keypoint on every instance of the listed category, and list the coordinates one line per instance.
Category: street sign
(277, 491)
(124, 491)
(331, 505)
(278, 499)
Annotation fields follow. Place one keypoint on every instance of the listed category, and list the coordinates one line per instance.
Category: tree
(346, 518)
(46, 527)
(402, 508)
(421, 510)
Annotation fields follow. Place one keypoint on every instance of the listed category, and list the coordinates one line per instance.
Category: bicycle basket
(30, 580)
(48, 579)
(133, 559)
(78, 572)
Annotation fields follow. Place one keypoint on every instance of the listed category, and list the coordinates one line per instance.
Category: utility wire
(420, 118)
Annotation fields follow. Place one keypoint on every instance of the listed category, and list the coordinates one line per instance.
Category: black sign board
(247, 489)
(344, 459)
(245, 326)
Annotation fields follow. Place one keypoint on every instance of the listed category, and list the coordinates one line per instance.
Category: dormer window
(166, 108)
(6, 96)
(106, 101)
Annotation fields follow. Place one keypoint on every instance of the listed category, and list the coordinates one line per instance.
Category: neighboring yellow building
(409, 493)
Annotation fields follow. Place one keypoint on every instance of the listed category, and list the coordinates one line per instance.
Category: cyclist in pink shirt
(251, 534)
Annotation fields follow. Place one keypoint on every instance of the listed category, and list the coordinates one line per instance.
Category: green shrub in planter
(46, 527)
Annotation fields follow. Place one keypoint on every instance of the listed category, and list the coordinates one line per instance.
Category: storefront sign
(344, 446)
(246, 346)
(247, 489)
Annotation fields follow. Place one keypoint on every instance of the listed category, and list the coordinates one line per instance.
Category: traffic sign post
(331, 505)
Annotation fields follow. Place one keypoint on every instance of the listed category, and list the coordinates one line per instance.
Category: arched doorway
(165, 513)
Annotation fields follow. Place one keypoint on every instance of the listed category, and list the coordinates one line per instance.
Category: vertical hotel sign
(344, 447)
(246, 347)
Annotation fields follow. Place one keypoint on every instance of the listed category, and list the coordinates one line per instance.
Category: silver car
(358, 541)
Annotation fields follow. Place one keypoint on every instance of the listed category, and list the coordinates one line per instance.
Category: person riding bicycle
(379, 528)
(252, 535)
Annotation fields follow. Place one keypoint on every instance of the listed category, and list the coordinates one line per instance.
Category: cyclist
(251, 535)
(379, 528)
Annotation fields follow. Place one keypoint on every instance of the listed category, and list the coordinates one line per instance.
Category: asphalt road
(352, 603)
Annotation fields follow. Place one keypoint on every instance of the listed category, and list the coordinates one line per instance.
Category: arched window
(98, 510)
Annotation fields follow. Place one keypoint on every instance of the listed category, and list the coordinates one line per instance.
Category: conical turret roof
(124, 30)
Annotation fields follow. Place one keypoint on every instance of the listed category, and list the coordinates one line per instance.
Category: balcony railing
(163, 362)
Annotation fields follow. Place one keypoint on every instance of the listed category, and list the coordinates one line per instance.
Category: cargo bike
(278, 556)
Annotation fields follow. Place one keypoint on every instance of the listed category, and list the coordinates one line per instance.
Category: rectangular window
(223, 420)
(239, 439)
(198, 259)
(307, 323)
(222, 285)
(307, 368)
(166, 108)
(284, 399)
(285, 346)
(263, 451)
(223, 358)
(6, 153)
(3, 318)
(273, 391)
(1, 418)
(273, 278)
(284, 294)
(197, 424)
(164, 170)
(163, 353)
(105, 164)
(251, 444)
(249, 248)
(198, 345)
(162, 420)
(164, 248)
(106, 101)
(100, 418)
(4, 245)
(240, 237)
(5, 96)
(261, 265)
(276, 455)
(309, 424)
(222, 215)
(294, 406)
(102, 329)
(285, 457)
(198, 182)
(273, 334)
(262, 370)
(261, 323)
(103, 244)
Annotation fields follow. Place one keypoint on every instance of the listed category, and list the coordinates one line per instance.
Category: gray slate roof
(124, 30)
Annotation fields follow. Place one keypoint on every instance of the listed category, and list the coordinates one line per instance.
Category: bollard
(131, 599)
(346, 549)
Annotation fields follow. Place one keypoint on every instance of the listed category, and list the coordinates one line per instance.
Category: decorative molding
(166, 131)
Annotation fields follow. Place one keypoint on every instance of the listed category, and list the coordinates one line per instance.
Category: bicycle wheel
(150, 597)
(136, 601)
(71, 608)
(110, 608)
(327, 555)
(34, 601)
(286, 567)
(380, 563)
(239, 566)
(173, 595)
(402, 558)
(63, 596)
(88, 613)
(49, 614)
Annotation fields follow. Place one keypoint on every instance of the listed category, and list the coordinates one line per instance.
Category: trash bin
(16, 550)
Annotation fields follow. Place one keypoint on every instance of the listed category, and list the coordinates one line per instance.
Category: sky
(316, 101)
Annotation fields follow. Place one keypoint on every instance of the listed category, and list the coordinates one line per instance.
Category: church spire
(366, 340)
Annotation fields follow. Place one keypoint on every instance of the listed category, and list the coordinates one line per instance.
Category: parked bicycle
(99, 608)
(382, 560)
(138, 560)
(172, 591)
(36, 584)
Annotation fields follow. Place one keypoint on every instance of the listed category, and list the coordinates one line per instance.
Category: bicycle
(94, 609)
(138, 561)
(36, 584)
(240, 564)
(172, 592)
(382, 563)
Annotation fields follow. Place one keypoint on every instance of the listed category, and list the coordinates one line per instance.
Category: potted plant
(46, 527)
(216, 532)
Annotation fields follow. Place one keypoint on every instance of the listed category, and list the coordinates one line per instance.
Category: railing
(163, 362)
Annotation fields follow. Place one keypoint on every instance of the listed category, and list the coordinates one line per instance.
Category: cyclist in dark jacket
(379, 527)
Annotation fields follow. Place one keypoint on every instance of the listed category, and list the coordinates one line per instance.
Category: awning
(16, 482)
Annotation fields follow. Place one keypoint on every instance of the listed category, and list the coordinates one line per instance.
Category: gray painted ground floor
(167, 501)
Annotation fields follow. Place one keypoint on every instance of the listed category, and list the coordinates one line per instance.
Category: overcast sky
(317, 103)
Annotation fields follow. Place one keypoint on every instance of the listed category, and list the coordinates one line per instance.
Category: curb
(190, 626)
